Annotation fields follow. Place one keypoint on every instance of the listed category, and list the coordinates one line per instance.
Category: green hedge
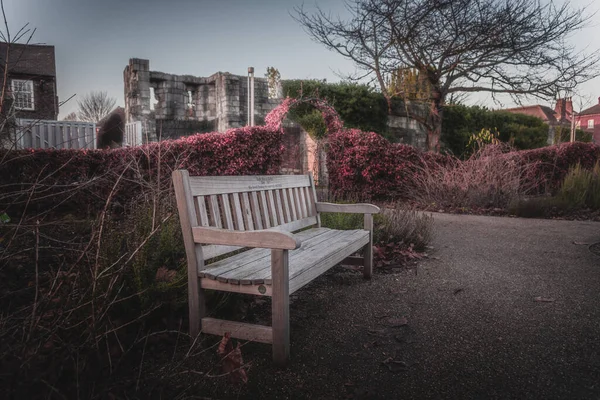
(359, 106)
(460, 122)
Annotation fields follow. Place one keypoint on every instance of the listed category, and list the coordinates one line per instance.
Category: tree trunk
(434, 126)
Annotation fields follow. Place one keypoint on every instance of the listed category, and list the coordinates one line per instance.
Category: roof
(545, 113)
(592, 110)
(29, 59)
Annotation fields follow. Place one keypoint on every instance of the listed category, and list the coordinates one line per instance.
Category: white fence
(133, 134)
(42, 134)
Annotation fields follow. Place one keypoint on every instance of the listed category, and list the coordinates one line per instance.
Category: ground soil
(502, 308)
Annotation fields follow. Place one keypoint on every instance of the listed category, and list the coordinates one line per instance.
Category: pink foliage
(333, 122)
(81, 179)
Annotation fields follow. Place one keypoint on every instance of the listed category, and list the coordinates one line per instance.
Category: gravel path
(504, 309)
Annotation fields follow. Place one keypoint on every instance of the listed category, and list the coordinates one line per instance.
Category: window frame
(31, 93)
(590, 123)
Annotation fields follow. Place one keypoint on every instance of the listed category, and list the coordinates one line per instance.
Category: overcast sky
(95, 39)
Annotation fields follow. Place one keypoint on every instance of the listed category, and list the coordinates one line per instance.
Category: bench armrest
(268, 239)
(360, 208)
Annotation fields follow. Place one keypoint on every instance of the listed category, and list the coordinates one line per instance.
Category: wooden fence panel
(133, 134)
(44, 134)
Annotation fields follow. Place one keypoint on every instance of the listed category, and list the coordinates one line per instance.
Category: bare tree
(515, 47)
(94, 106)
(71, 117)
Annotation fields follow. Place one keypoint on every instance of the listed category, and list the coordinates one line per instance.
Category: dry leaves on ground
(232, 362)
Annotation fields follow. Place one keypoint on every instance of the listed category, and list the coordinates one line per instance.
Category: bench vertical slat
(290, 196)
(238, 216)
(306, 211)
(214, 210)
(286, 206)
(264, 210)
(279, 203)
(227, 211)
(272, 210)
(280, 306)
(312, 194)
(247, 212)
(256, 211)
(188, 219)
(201, 202)
(297, 203)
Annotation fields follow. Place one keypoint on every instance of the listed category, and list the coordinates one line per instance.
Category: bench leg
(280, 306)
(368, 257)
(197, 305)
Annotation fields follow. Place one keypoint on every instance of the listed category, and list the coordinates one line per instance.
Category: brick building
(560, 116)
(31, 83)
(589, 121)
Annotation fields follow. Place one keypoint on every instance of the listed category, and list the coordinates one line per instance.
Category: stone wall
(187, 104)
(407, 130)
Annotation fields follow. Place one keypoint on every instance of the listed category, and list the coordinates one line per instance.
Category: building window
(23, 94)
(590, 123)
(578, 124)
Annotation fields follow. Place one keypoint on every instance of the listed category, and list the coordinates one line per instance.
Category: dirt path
(504, 308)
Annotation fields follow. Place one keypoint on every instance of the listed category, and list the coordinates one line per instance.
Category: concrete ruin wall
(187, 104)
(407, 130)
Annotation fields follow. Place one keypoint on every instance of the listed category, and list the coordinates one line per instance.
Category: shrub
(553, 162)
(581, 187)
(460, 122)
(399, 233)
(400, 224)
(81, 179)
(563, 135)
(367, 166)
(358, 105)
(488, 179)
(342, 221)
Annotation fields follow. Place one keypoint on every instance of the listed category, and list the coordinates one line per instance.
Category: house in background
(559, 117)
(589, 121)
(30, 106)
(31, 83)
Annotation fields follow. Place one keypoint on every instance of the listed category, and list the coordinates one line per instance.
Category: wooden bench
(222, 214)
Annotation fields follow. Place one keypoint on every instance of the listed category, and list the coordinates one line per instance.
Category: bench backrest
(246, 203)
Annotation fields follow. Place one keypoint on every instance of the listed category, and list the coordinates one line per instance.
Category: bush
(365, 165)
(400, 224)
(563, 135)
(488, 179)
(399, 233)
(553, 163)
(581, 187)
(80, 180)
(460, 122)
(359, 106)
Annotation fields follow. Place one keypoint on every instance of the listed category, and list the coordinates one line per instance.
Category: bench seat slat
(302, 259)
(322, 248)
(224, 267)
(260, 272)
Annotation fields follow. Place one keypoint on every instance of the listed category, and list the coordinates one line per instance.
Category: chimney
(559, 109)
(569, 108)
